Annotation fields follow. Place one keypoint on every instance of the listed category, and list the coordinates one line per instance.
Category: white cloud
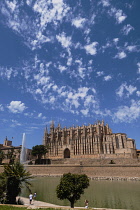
(115, 40)
(138, 93)
(1, 107)
(126, 29)
(125, 90)
(55, 88)
(131, 89)
(78, 22)
(69, 61)
(42, 80)
(99, 73)
(138, 64)
(120, 90)
(85, 112)
(40, 39)
(64, 40)
(62, 68)
(12, 5)
(81, 93)
(48, 14)
(105, 3)
(15, 123)
(52, 99)
(118, 14)
(128, 113)
(120, 55)
(38, 91)
(89, 100)
(107, 78)
(107, 45)
(32, 28)
(132, 48)
(120, 17)
(40, 115)
(16, 107)
(91, 48)
(8, 72)
(72, 102)
(82, 99)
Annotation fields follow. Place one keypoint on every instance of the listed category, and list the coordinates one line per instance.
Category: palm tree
(13, 178)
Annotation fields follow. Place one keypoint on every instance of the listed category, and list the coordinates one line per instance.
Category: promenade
(40, 204)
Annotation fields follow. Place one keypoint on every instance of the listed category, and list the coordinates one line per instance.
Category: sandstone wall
(91, 171)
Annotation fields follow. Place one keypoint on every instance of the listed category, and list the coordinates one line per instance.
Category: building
(12, 153)
(92, 141)
(138, 153)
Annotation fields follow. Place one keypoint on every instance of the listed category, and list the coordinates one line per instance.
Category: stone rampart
(96, 172)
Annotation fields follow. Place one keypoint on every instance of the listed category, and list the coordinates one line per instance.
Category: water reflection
(105, 194)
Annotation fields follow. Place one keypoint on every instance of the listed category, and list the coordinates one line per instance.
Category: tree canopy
(71, 187)
(11, 182)
(2, 156)
(39, 150)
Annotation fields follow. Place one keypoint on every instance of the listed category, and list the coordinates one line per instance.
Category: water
(100, 194)
(23, 150)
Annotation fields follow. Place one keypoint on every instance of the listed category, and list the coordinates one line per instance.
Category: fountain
(23, 150)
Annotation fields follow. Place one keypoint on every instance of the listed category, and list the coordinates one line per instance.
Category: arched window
(66, 153)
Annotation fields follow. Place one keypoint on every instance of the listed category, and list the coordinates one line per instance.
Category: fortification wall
(92, 171)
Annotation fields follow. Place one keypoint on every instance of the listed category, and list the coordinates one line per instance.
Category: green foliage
(2, 156)
(11, 156)
(5, 207)
(71, 187)
(11, 181)
(39, 150)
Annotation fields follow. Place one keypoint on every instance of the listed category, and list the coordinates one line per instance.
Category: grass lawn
(4, 207)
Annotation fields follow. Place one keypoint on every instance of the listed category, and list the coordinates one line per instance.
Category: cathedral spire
(46, 129)
(59, 126)
(52, 126)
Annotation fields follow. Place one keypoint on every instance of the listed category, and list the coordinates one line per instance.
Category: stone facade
(92, 141)
(13, 152)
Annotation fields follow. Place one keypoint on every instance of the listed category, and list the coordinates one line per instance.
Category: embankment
(110, 171)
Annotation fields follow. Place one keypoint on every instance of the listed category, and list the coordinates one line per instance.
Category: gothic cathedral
(92, 141)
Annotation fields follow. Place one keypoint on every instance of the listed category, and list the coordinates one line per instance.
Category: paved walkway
(40, 204)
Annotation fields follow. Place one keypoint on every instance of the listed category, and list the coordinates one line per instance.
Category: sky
(71, 62)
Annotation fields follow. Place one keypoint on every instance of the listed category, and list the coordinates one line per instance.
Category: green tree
(71, 187)
(12, 180)
(11, 155)
(2, 156)
(39, 151)
(2, 189)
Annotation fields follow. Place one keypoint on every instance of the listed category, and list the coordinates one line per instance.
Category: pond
(104, 194)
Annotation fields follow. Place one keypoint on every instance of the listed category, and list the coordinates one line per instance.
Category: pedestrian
(30, 198)
(34, 196)
(86, 204)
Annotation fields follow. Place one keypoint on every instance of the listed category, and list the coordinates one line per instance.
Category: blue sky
(73, 62)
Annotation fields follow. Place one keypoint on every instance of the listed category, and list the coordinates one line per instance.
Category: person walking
(30, 198)
(86, 204)
(34, 196)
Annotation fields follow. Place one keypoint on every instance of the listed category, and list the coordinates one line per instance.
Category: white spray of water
(23, 150)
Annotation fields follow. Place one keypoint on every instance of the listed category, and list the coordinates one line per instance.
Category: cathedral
(92, 141)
